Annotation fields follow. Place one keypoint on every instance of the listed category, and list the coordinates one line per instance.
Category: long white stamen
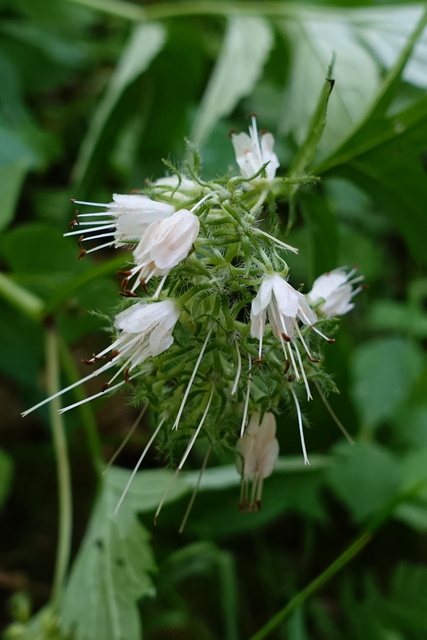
(95, 215)
(238, 372)
(333, 414)
(291, 356)
(196, 433)
(197, 205)
(100, 393)
(193, 375)
(78, 382)
(246, 406)
(165, 495)
(100, 235)
(100, 227)
(138, 464)
(127, 438)
(322, 335)
(255, 139)
(194, 494)
(101, 246)
(160, 287)
(93, 204)
(304, 377)
(303, 342)
(300, 425)
(288, 247)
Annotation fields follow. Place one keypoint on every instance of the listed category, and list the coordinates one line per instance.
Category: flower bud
(257, 451)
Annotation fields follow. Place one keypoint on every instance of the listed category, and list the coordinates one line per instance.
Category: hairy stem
(62, 466)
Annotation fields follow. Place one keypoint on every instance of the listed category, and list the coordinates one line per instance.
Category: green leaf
(144, 44)
(384, 372)
(315, 35)
(365, 477)
(115, 562)
(5, 476)
(15, 161)
(246, 46)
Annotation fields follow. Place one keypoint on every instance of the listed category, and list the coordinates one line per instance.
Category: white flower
(254, 151)
(333, 292)
(145, 331)
(257, 453)
(163, 246)
(124, 222)
(283, 306)
(173, 186)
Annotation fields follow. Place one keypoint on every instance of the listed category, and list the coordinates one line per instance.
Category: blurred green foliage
(94, 95)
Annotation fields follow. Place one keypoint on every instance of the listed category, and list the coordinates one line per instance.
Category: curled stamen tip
(231, 133)
(82, 254)
(331, 340)
(105, 386)
(89, 362)
(128, 294)
(257, 361)
(285, 337)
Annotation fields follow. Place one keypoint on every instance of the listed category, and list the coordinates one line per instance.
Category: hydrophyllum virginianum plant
(212, 335)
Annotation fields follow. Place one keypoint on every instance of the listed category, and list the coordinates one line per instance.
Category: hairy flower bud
(257, 453)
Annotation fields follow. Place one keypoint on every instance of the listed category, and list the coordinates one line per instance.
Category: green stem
(353, 550)
(314, 586)
(87, 418)
(20, 298)
(62, 466)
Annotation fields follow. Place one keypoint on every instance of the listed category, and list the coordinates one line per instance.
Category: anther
(287, 365)
(105, 386)
(291, 378)
(285, 337)
(126, 375)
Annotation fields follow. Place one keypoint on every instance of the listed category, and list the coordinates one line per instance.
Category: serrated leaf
(115, 562)
(365, 476)
(246, 46)
(384, 371)
(144, 44)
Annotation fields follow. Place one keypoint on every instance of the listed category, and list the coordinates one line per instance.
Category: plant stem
(62, 467)
(20, 298)
(314, 586)
(87, 418)
(338, 564)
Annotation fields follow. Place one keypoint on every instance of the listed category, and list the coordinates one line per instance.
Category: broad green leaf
(365, 476)
(247, 44)
(385, 32)
(5, 476)
(385, 160)
(414, 465)
(15, 161)
(315, 36)
(384, 372)
(114, 565)
(144, 44)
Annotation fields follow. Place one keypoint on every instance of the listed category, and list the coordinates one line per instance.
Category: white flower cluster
(212, 265)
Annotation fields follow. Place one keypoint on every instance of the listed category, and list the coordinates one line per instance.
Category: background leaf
(246, 46)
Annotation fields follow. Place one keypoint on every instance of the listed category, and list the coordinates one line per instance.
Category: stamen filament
(138, 464)
(193, 375)
(300, 425)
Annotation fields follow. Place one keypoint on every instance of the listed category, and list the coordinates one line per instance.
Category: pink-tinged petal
(305, 312)
(268, 155)
(285, 296)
